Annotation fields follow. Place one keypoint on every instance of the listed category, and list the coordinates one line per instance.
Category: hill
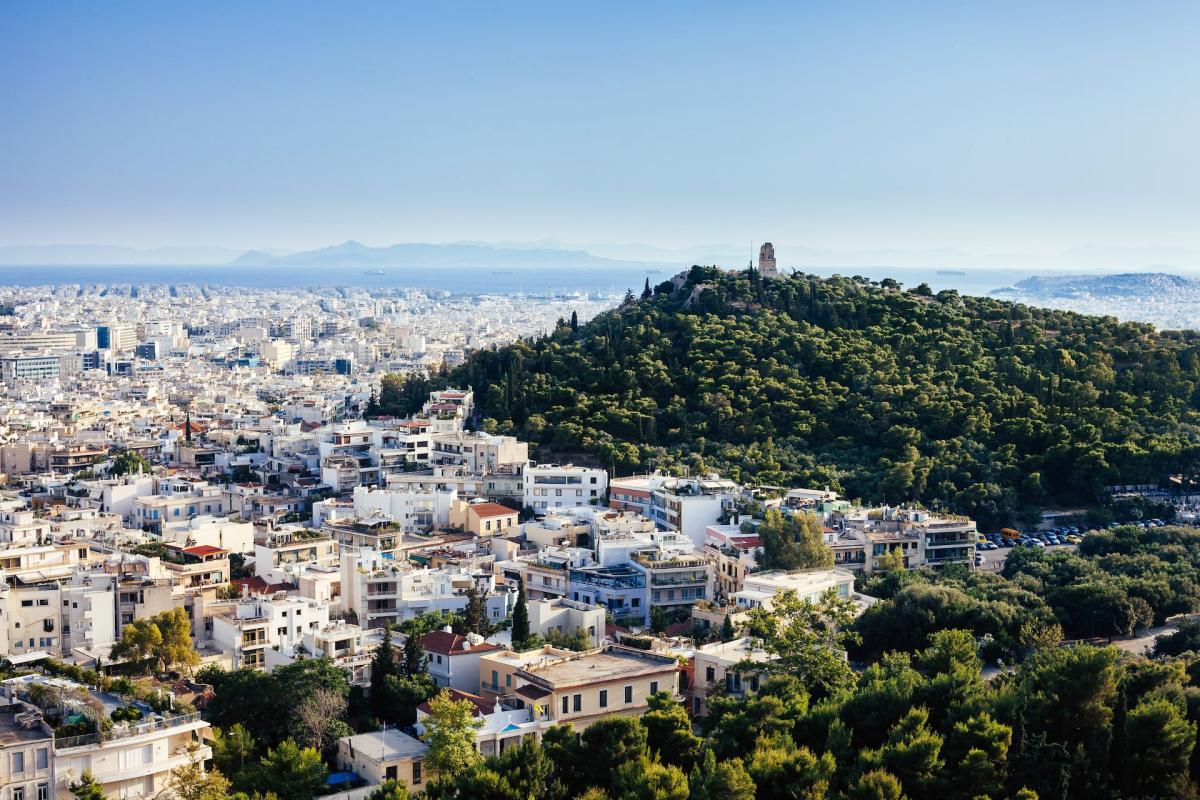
(1128, 284)
(973, 404)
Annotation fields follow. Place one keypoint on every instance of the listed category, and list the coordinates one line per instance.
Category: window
(604, 698)
(18, 793)
(26, 604)
(628, 694)
(416, 772)
(653, 687)
(578, 703)
(43, 791)
(43, 758)
(566, 704)
(18, 762)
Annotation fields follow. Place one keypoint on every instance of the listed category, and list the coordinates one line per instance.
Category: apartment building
(176, 501)
(674, 579)
(348, 646)
(284, 553)
(919, 538)
(580, 688)
(550, 486)
(413, 510)
(760, 588)
(690, 505)
(619, 588)
(26, 750)
(248, 627)
(733, 555)
(478, 452)
(499, 728)
(196, 567)
(131, 759)
(380, 591)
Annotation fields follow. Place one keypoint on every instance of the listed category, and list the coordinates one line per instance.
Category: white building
(414, 510)
(550, 486)
(248, 627)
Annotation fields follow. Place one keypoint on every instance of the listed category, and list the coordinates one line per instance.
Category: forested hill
(889, 394)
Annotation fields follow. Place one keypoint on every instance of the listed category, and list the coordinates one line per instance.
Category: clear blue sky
(986, 126)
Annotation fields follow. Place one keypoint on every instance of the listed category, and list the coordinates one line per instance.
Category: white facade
(551, 486)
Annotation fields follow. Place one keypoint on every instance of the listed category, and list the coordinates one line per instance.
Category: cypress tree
(727, 629)
(646, 293)
(574, 322)
(414, 657)
(383, 665)
(520, 617)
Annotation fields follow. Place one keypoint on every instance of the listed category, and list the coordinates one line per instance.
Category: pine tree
(646, 293)
(520, 617)
(475, 613)
(87, 788)
(629, 298)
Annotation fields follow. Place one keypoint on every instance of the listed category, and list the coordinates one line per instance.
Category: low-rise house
(566, 617)
(386, 755)
(453, 660)
(483, 518)
(501, 729)
(714, 669)
(582, 688)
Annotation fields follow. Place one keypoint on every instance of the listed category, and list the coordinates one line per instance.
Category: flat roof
(608, 665)
(387, 745)
(12, 731)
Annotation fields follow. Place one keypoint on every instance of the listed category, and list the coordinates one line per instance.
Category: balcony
(140, 729)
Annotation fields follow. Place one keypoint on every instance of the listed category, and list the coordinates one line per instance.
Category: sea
(536, 281)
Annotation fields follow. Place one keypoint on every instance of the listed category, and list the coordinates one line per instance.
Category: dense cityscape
(622, 401)
(261, 543)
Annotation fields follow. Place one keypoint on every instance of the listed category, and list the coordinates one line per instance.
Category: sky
(990, 127)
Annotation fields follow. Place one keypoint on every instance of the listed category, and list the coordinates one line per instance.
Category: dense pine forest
(977, 405)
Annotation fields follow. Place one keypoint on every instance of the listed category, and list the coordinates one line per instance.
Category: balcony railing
(125, 732)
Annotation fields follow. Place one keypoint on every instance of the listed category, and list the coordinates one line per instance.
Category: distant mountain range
(1128, 284)
(460, 254)
(555, 253)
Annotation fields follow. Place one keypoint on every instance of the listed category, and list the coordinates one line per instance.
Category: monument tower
(766, 259)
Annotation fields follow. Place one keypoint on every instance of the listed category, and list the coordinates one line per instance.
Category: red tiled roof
(492, 510)
(259, 586)
(452, 644)
(480, 705)
(203, 550)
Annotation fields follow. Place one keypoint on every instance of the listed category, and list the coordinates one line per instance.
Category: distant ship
(502, 272)
(951, 272)
(653, 271)
(374, 272)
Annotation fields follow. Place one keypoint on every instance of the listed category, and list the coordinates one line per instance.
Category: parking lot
(993, 560)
